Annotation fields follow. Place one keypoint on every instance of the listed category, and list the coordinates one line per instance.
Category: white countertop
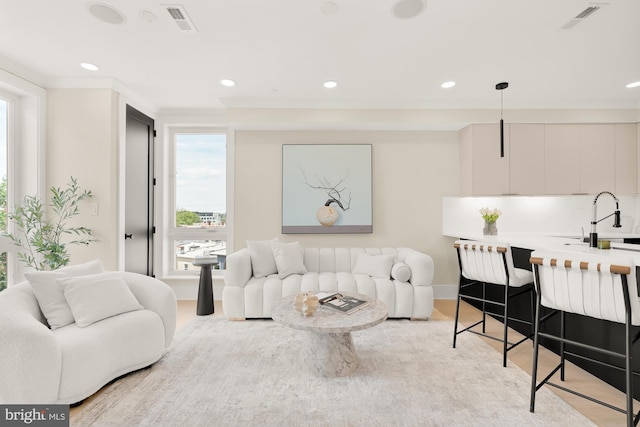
(566, 244)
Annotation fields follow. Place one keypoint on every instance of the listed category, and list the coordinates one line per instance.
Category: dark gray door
(139, 185)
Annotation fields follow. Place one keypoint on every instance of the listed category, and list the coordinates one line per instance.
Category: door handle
(128, 236)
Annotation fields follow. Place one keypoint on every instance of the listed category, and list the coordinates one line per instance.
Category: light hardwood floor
(521, 356)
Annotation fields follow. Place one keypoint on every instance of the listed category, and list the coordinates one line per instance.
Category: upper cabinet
(626, 158)
(597, 158)
(561, 159)
(482, 170)
(526, 144)
(549, 159)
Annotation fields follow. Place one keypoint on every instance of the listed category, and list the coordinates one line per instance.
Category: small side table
(205, 287)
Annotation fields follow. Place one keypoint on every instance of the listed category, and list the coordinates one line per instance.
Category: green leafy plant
(184, 217)
(43, 239)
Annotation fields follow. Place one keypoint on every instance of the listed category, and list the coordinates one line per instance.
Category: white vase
(327, 215)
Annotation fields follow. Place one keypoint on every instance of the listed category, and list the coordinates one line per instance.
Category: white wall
(412, 171)
(414, 168)
(82, 141)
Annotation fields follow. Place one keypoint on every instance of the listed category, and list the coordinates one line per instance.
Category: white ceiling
(281, 51)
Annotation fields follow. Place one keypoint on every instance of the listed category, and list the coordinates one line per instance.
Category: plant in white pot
(44, 239)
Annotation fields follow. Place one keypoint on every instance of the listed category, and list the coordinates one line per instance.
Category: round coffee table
(331, 350)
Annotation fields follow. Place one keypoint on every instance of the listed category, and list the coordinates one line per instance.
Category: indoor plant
(490, 217)
(42, 237)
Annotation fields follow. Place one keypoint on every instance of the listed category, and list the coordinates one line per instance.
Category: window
(199, 211)
(22, 130)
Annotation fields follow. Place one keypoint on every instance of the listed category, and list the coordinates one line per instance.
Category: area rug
(252, 373)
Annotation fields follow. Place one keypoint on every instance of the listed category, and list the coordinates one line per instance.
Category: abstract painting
(326, 189)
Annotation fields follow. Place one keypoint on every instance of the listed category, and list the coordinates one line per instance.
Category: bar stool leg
(628, 370)
(534, 368)
(562, 346)
(533, 310)
(505, 334)
(455, 324)
(484, 307)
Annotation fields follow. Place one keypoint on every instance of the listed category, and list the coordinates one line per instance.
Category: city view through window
(200, 199)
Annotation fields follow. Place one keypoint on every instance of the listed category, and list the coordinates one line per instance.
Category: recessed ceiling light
(634, 84)
(106, 13)
(330, 84)
(227, 82)
(447, 85)
(89, 66)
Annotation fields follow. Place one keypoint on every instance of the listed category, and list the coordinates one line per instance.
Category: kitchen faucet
(593, 236)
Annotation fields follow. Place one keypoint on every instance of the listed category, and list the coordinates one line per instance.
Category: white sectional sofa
(258, 276)
(122, 322)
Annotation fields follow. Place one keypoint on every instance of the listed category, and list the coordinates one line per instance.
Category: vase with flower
(490, 216)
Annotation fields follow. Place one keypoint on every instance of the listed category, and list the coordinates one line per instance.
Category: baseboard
(445, 291)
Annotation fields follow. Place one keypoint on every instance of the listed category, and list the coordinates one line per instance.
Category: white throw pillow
(401, 271)
(96, 297)
(263, 262)
(374, 265)
(288, 259)
(50, 294)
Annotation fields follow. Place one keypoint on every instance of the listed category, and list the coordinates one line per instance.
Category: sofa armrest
(156, 296)
(238, 268)
(31, 357)
(421, 266)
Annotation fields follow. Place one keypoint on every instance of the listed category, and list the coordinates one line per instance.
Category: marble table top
(327, 321)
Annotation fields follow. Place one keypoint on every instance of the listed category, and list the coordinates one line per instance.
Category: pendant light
(501, 87)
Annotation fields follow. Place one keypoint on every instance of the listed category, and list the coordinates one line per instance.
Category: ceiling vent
(581, 16)
(180, 17)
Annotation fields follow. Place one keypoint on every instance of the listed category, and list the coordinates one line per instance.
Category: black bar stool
(586, 285)
(486, 263)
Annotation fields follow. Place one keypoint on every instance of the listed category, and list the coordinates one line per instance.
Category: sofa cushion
(50, 294)
(401, 271)
(263, 261)
(374, 265)
(288, 259)
(96, 297)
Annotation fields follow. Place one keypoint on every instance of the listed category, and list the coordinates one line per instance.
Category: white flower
(490, 215)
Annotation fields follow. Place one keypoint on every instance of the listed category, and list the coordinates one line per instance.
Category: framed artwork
(326, 189)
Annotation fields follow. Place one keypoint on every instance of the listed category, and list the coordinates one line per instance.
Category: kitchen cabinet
(482, 170)
(526, 147)
(562, 159)
(552, 159)
(597, 158)
(626, 158)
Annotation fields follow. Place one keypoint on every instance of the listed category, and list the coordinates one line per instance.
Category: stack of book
(341, 303)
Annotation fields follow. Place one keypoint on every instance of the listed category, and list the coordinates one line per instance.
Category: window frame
(174, 233)
(5, 244)
(26, 131)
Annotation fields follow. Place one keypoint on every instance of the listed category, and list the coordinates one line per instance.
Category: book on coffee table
(341, 303)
